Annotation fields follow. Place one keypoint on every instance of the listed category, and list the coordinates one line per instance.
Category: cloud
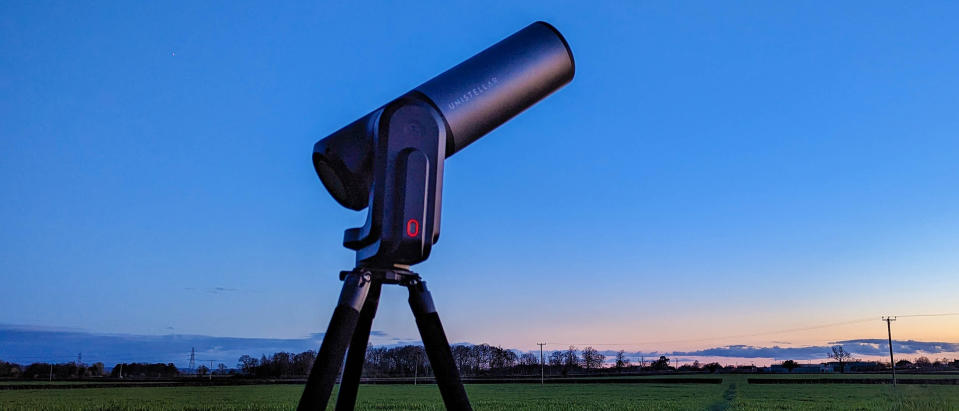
(862, 347)
(27, 344)
(878, 346)
(748, 351)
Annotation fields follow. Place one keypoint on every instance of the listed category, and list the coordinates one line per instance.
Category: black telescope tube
(500, 82)
(473, 97)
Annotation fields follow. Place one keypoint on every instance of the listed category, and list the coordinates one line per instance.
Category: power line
(927, 315)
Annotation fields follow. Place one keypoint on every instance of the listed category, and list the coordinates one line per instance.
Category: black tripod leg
(437, 348)
(319, 385)
(356, 356)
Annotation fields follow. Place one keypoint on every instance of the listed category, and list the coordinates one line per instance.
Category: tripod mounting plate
(386, 275)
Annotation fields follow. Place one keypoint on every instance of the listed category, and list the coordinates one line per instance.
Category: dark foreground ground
(733, 393)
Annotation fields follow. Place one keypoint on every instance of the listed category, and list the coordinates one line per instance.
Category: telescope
(390, 162)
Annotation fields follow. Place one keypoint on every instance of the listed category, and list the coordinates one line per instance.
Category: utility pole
(892, 361)
(542, 365)
(211, 370)
(51, 371)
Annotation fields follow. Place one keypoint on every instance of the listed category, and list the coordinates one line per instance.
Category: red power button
(412, 227)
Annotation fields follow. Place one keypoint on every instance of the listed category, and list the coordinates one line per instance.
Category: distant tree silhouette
(661, 364)
(9, 369)
(712, 367)
(570, 359)
(303, 361)
(502, 358)
(143, 370)
(528, 359)
(247, 364)
(555, 359)
(790, 365)
(621, 360)
(592, 358)
(841, 355)
(95, 370)
(463, 358)
(281, 364)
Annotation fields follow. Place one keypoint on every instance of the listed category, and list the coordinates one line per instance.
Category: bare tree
(621, 360)
(841, 355)
(555, 358)
(528, 359)
(461, 355)
(592, 358)
(570, 359)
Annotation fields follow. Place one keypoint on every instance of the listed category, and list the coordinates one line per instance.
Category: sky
(751, 173)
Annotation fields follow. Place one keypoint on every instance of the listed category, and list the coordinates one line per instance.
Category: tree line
(472, 360)
(77, 370)
(410, 361)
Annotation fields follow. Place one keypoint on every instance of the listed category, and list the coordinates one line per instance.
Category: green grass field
(733, 394)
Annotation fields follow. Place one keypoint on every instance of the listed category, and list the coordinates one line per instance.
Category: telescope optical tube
(500, 82)
(474, 97)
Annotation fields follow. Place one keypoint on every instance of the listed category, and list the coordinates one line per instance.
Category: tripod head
(391, 160)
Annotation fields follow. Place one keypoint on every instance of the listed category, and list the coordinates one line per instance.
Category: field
(734, 394)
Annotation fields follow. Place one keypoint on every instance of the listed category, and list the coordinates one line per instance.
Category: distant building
(855, 366)
(802, 369)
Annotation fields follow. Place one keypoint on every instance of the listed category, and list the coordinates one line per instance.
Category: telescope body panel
(406, 196)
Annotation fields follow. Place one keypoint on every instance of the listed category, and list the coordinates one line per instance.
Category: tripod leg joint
(421, 301)
(356, 286)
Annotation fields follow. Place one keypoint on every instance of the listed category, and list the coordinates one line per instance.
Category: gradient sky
(714, 173)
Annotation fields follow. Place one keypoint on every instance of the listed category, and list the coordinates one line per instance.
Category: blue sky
(773, 165)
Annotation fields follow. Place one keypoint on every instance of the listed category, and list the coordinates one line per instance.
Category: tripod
(350, 327)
